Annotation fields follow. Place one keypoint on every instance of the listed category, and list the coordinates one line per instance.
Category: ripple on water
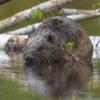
(4, 59)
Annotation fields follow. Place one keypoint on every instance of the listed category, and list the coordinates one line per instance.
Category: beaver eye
(11, 40)
(40, 48)
(50, 38)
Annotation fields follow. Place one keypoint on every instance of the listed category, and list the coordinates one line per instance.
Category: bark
(46, 7)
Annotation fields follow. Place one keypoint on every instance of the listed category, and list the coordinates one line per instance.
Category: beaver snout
(28, 61)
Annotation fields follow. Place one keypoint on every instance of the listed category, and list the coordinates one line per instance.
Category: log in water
(95, 41)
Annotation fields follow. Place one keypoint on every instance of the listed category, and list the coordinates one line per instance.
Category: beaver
(49, 43)
(62, 41)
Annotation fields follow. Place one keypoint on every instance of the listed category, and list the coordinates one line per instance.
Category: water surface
(39, 79)
(35, 79)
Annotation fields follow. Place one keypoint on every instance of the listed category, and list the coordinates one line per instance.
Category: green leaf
(94, 6)
(37, 14)
(69, 45)
(75, 57)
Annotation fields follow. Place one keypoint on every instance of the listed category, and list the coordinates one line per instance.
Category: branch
(3, 1)
(82, 16)
(80, 11)
(25, 30)
(31, 28)
(46, 7)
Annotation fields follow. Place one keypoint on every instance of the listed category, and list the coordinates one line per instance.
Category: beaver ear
(50, 38)
(29, 36)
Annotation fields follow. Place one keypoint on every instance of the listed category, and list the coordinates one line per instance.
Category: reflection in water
(43, 79)
(11, 66)
(16, 57)
(4, 59)
(56, 79)
(96, 46)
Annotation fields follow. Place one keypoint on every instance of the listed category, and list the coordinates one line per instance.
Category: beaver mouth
(36, 58)
(43, 59)
(45, 56)
(31, 61)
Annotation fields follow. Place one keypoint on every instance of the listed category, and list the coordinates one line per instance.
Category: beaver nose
(40, 48)
(28, 61)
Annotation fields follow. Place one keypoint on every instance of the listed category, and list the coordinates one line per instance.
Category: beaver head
(48, 42)
(44, 46)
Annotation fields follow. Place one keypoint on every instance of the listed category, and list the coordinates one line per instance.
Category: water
(39, 79)
(4, 59)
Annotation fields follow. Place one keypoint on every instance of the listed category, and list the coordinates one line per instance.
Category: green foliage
(69, 45)
(93, 6)
(95, 89)
(97, 64)
(9, 90)
(37, 14)
(96, 5)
